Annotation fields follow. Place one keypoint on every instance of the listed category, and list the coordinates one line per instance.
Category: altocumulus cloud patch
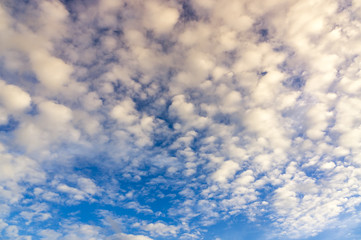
(196, 119)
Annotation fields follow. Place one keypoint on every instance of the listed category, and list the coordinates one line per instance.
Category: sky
(180, 119)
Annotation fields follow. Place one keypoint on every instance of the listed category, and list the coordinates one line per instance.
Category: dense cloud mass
(166, 119)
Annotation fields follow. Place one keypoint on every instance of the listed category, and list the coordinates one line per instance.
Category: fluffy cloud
(14, 101)
(15, 171)
(158, 229)
(226, 171)
(159, 17)
(52, 124)
(14, 98)
(51, 71)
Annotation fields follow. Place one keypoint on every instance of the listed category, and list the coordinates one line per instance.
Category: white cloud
(49, 234)
(318, 116)
(87, 185)
(36, 213)
(131, 122)
(231, 102)
(53, 72)
(186, 112)
(53, 123)
(16, 170)
(195, 34)
(138, 207)
(124, 112)
(158, 229)
(159, 17)
(90, 124)
(84, 190)
(13, 97)
(265, 123)
(5, 19)
(53, 17)
(123, 236)
(226, 171)
(12, 231)
(81, 231)
(74, 192)
(2, 225)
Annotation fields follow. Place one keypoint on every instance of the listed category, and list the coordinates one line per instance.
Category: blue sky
(195, 119)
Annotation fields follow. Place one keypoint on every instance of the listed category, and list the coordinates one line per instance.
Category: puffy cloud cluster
(16, 172)
(14, 101)
(209, 109)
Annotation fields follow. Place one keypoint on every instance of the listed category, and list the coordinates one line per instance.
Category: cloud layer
(158, 120)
